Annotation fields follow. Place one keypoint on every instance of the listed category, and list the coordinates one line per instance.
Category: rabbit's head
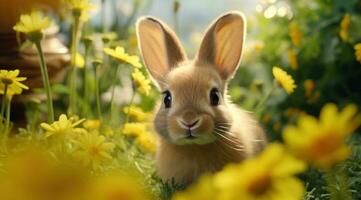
(194, 107)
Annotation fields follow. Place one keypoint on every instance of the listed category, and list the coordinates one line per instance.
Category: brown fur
(223, 133)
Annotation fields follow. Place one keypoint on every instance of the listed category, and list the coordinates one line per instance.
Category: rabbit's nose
(189, 125)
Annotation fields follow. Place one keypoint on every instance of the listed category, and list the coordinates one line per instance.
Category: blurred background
(313, 40)
(193, 16)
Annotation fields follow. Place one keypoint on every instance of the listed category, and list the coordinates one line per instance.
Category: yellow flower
(92, 124)
(33, 25)
(64, 127)
(148, 141)
(88, 40)
(322, 142)
(119, 54)
(80, 8)
(107, 37)
(284, 80)
(295, 33)
(133, 41)
(346, 21)
(11, 79)
(82, 5)
(292, 57)
(79, 60)
(270, 175)
(358, 52)
(309, 86)
(97, 62)
(33, 22)
(116, 187)
(143, 137)
(141, 82)
(134, 129)
(92, 149)
(137, 113)
(343, 35)
(258, 47)
(34, 174)
(344, 27)
(203, 190)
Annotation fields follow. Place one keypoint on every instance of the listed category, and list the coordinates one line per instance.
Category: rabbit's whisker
(233, 142)
(233, 146)
(227, 136)
(224, 123)
(225, 128)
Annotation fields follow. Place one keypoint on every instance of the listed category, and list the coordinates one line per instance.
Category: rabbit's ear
(223, 43)
(160, 47)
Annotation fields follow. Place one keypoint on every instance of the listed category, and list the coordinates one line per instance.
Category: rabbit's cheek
(160, 123)
(206, 126)
(175, 131)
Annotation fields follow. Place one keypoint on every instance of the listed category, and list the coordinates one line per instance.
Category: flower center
(260, 185)
(7, 81)
(119, 194)
(326, 144)
(94, 150)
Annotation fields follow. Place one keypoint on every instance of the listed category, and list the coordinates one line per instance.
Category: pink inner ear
(222, 44)
(160, 47)
(229, 42)
(222, 48)
(153, 48)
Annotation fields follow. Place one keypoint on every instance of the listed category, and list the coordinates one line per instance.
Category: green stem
(4, 101)
(74, 50)
(130, 104)
(86, 86)
(46, 82)
(265, 98)
(112, 109)
(103, 16)
(97, 94)
(175, 15)
(7, 126)
(3, 105)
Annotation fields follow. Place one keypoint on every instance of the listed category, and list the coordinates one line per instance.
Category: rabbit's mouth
(190, 129)
(190, 135)
(194, 138)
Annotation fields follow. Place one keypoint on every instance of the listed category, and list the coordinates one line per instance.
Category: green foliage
(322, 57)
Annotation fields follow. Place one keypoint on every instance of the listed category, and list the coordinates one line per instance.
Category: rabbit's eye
(167, 99)
(214, 96)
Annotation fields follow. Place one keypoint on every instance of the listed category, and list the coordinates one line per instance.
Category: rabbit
(200, 130)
